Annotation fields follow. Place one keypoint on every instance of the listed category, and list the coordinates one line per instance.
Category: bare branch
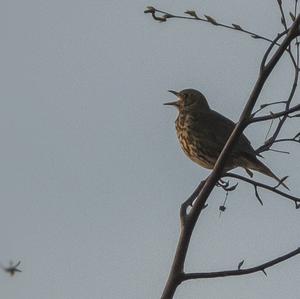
(279, 151)
(283, 19)
(296, 139)
(263, 106)
(264, 186)
(274, 115)
(208, 19)
(226, 273)
(189, 202)
(163, 16)
(267, 145)
(257, 195)
(271, 46)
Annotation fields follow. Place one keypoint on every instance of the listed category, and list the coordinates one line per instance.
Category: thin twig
(267, 53)
(193, 16)
(278, 151)
(238, 272)
(296, 139)
(264, 186)
(257, 195)
(270, 127)
(268, 144)
(263, 106)
(274, 115)
(283, 19)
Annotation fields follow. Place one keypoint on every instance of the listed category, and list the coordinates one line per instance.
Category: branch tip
(192, 13)
(240, 265)
(211, 20)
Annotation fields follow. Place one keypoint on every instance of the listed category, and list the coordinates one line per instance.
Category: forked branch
(257, 184)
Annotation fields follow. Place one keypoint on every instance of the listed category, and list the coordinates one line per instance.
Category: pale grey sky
(92, 176)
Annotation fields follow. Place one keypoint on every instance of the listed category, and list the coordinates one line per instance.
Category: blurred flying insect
(12, 268)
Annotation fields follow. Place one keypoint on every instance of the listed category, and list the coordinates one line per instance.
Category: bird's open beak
(172, 103)
(175, 103)
(174, 92)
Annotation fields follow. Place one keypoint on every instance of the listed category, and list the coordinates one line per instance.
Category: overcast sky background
(92, 176)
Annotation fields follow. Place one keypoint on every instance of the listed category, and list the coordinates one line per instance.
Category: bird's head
(189, 100)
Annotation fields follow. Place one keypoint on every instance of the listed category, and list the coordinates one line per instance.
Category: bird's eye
(188, 99)
(185, 97)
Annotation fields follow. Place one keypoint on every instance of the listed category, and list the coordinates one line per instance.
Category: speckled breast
(192, 145)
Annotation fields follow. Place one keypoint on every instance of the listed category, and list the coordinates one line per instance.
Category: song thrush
(203, 132)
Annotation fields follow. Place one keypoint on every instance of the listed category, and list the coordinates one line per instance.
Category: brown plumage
(203, 132)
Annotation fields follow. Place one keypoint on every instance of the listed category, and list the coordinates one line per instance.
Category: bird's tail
(262, 168)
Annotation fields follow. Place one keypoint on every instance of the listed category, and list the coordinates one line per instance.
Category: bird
(203, 133)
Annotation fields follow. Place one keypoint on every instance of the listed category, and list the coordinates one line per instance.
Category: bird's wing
(219, 129)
